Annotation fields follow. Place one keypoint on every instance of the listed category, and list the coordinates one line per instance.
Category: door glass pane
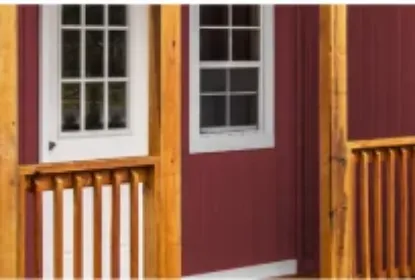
(117, 15)
(70, 107)
(71, 53)
(94, 14)
(71, 14)
(117, 53)
(117, 105)
(94, 106)
(94, 53)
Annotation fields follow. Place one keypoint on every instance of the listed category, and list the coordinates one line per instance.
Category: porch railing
(77, 177)
(383, 178)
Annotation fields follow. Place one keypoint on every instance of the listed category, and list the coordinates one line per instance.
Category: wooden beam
(165, 137)
(8, 142)
(335, 191)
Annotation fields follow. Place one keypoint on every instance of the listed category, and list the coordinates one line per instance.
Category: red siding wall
(382, 71)
(239, 208)
(28, 108)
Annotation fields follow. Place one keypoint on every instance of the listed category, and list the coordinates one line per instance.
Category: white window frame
(132, 141)
(221, 141)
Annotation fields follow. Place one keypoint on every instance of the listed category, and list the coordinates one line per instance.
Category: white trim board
(260, 271)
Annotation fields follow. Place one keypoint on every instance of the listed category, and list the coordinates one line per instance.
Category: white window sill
(233, 141)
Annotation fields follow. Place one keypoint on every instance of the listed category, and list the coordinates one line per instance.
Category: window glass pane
(212, 111)
(94, 53)
(213, 15)
(213, 44)
(70, 53)
(245, 15)
(245, 45)
(71, 14)
(117, 105)
(70, 107)
(117, 53)
(244, 80)
(212, 80)
(244, 110)
(94, 14)
(117, 15)
(94, 106)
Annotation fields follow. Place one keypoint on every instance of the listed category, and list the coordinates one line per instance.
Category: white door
(94, 104)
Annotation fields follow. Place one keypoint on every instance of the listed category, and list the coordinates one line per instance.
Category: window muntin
(229, 67)
(93, 75)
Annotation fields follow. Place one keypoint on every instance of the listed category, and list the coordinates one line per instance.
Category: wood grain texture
(169, 258)
(8, 142)
(335, 188)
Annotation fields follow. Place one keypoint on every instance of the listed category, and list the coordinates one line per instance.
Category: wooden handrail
(90, 165)
(378, 143)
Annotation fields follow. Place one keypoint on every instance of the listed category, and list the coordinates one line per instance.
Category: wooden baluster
(97, 181)
(403, 222)
(77, 216)
(58, 227)
(378, 225)
(38, 228)
(353, 205)
(412, 203)
(21, 216)
(364, 209)
(390, 215)
(135, 181)
(115, 226)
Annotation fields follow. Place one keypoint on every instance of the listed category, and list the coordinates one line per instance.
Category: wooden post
(335, 192)
(165, 135)
(8, 142)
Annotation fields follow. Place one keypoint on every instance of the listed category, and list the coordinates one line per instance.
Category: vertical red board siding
(381, 71)
(308, 58)
(28, 45)
(239, 208)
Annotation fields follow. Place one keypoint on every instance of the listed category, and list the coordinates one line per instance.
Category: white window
(94, 81)
(231, 74)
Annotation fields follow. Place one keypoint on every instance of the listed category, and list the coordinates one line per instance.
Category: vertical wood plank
(412, 203)
(21, 215)
(9, 141)
(378, 214)
(115, 226)
(38, 231)
(169, 258)
(364, 214)
(97, 181)
(152, 189)
(135, 180)
(334, 193)
(58, 228)
(403, 215)
(390, 215)
(78, 233)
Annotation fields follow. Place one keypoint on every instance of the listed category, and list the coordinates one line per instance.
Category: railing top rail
(89, 165)
(377, 143)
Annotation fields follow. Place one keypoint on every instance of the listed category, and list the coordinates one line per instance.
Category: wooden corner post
(335, 195)
(165, 134)
(8, 142)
